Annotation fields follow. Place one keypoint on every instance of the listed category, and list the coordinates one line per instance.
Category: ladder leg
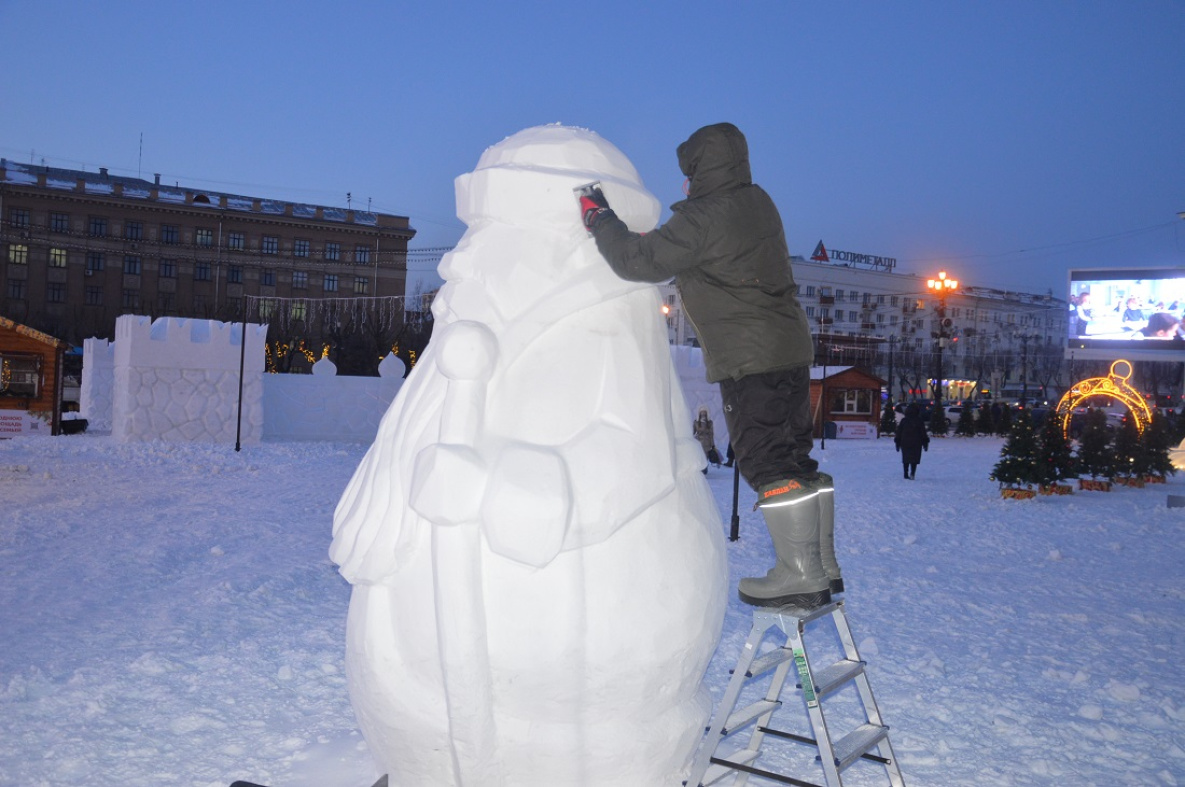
(727, 704)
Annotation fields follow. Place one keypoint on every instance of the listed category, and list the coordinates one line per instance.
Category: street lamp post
(941, 286)
(1025, 338)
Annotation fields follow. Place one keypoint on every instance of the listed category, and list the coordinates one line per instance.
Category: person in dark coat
(726, 249)
(911, 439)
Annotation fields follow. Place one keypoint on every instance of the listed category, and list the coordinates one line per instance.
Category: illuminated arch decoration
(1114, 385)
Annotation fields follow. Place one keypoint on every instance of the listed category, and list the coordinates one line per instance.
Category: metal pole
(822, 404)
(242, 363)
(734, 532)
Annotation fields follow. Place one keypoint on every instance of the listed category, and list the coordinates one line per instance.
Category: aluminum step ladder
(867, 741)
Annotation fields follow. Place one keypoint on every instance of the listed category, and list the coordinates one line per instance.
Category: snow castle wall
(98, 383)
(178, 380)
(323, 406)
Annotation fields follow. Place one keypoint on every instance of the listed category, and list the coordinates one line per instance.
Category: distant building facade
(887, 323)
(78, 249)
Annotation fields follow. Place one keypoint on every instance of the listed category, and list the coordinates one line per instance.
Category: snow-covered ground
(168, 616)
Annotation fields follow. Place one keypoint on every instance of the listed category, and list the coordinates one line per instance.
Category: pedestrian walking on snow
(911, 439)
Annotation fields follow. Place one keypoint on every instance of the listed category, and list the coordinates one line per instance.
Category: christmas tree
(1094, 455)
(1055, 461)
(938, 422)
(1018, 457)
(1131, 460)
(888, 419)
(1004, 421)
(1159, 440)
(966, 425)
(984, 424)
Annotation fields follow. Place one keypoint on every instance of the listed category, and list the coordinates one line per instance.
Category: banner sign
(821, 254)
(18, 423)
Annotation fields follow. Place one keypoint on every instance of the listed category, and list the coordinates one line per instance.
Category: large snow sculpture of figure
(538, 567)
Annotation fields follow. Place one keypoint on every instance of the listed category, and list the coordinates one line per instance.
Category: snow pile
(170, 617)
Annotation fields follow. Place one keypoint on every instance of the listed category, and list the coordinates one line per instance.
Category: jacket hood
(715, 158)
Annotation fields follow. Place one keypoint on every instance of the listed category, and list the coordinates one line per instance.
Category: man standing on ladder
(726, 249)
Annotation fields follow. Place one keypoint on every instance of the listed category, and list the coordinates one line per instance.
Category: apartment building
(889, 323)
(78, 249)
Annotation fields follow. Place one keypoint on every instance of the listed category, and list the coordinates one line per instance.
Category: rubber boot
(791, 511)
(826, 486)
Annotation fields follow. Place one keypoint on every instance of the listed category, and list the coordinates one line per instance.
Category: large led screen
(1133, 313)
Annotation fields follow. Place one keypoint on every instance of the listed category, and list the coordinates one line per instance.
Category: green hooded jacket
(726, 250)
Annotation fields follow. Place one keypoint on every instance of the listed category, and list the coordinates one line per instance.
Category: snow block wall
(323, 406)
(178, 380)
(98, 383)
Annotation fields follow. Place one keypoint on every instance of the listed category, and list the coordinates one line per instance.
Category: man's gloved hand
(593, 206)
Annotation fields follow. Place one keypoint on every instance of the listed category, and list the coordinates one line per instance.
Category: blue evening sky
(1004, 141)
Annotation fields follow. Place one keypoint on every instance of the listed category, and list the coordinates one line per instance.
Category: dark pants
(769, 424)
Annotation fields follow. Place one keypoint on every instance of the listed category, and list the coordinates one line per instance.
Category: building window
(131, 265)
(810, 311)
(839, 296)
(94, 261)
(22, 374)
(201, 271)
(168, 269)
(361, 285)
(234, 274)
(267, 278)
(18, 254)
(330, 282)
(94, 296)
(808, 291)
(97, 227)
(168, 302)
(333, 251)
(299, 310)
(203, 237)
(825, 312)
(236, 241)
(16, 289)
(59, 222)
(893, 300)
(57, 258)
(133, 230)
(300, 248)
(18, 217)
(361, 254)
(266, 310)
(270, 244)
(852, 401)
(55, 292)
(300, 280)
(131, 299)
(169, 233)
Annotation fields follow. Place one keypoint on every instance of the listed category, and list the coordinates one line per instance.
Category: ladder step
(769, 661)
(722, 766)
(836, 676)
(748, 714)
(857, 742)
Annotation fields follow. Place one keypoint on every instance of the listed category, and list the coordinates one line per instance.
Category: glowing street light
(942, 287)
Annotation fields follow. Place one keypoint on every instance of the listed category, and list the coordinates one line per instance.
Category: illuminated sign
(821, 254)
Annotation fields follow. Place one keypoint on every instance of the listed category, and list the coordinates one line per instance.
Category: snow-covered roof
(105, 183)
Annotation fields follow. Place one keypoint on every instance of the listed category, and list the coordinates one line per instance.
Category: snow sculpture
(538, 565)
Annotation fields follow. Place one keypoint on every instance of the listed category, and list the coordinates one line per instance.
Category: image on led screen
(1129, 311)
